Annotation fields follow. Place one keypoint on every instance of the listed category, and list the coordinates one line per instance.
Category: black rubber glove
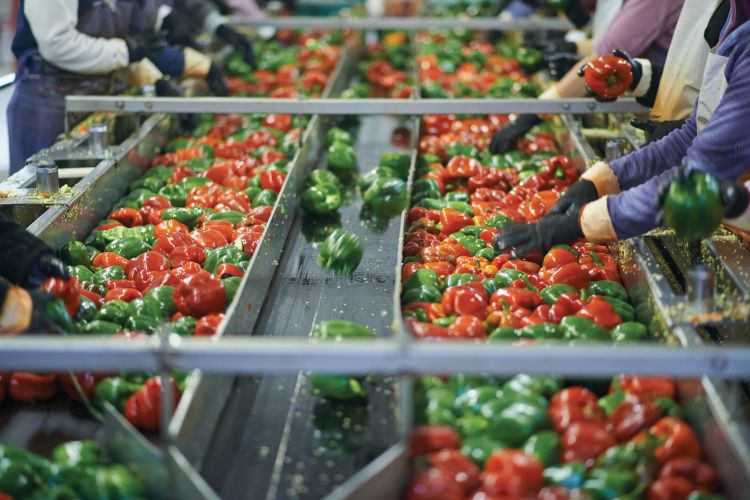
(656, 130)
(559, 64)
(166, 88)
(550, 231)
(554, 46)
(145, 46)
(505, 139)
(237, 40)
(46, 266)
(577, 195)
(215, 81)
(40, 322)
(180, 29)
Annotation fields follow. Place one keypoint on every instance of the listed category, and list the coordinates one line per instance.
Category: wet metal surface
(293, 443)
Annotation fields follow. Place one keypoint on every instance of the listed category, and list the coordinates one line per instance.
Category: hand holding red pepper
(610, 76)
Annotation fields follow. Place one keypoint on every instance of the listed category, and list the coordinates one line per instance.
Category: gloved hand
(166, 88)
(607, 78)
(215, 81)
(554, 46)
(558, 65)
(551, 230)
(180, 29)
(145, 45)
(46, 266)
(237, 40)
(505, 139)
(40, 322)
(656, 130)
(577, 195)
(572, 9)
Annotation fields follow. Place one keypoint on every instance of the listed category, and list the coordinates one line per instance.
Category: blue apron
(36, 112)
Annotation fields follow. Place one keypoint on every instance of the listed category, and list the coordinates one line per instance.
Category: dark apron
(36, 112)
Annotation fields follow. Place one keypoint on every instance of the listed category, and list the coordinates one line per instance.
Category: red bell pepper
(208, 324)
(68, 290)
(25, 386)
(143, 409)
(600, 312)
(200, 294)
(608, 77)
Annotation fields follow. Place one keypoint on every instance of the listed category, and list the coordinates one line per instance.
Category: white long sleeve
(53, 23)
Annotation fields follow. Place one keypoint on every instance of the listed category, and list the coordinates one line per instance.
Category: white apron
(605, 12)
(712, 90)
(685, 64)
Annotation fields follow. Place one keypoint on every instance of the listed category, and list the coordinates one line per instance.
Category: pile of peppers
(462, 64)
(535, 437)
(171, 252)
(76, 469)
(293, 64)
(384, 72)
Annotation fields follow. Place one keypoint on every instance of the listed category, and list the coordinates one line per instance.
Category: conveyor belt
(292, 443)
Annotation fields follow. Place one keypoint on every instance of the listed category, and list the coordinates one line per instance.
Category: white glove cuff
(642, 88)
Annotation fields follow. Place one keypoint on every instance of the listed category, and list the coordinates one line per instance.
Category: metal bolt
(591, 106)
(566, 106)
(149, 105)
(119, 104)
(47, 179)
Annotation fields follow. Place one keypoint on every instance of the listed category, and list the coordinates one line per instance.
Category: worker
(620, 200)
(671, 90)
(183, 20)
(67, 47)
(626, 31)
(25, 263)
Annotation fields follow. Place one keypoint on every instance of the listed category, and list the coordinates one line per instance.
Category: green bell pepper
(553, 292)
(499, 222)
(81, 273)
(487, 253)
(58, 314)
(341, 252)
(545, 446)
(583, 329)
(189, 183)
(503, 334)
(471, 424)
(505, 278)
(540, 331)
(112, 481)
(422, 293)
(142, 323)
(129, 247)
(460, 206)
(74, 254)
(338, 135)
(421, 277)
(184, 326)
(318, 176)
(425, 189)
(77, 453)
(376, 173)
(446, 321)
(98, 327)
(321, 199)
(569, 476)
(629, 331)
(232, 216)
(472, 244)
(461, 149)
(457, 196)
(21, 472)
(479, 448)
(338, 329)
(110, 273)
(342, 160)
(231, 285)
(386, 196)
(532, 386)
(187, 216)
(458, 279)
(114, 311)
(228, 254)
(265, 198)
(87, 311)
(623, 309)
(513, 421)
(529, 58)
(177, 195)
(607, 484)
(115, 391)
(609, 288)
(163, 297)
(693, 206)
(399, 162)
(473, 399)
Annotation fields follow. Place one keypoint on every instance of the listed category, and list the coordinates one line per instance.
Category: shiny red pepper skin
(143, 409)
(200, 294)
(608, 77)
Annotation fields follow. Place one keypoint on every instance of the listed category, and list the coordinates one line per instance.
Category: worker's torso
(97, 18)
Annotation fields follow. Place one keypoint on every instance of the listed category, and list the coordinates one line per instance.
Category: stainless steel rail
(323, 106)
(410, 23)
(234, 355)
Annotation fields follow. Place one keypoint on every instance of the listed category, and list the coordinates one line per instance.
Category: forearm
(53, 23)
(571, 85)
(639, 166)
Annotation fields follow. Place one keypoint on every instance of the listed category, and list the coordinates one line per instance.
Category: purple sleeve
(723, 146)
(638, 25)
(639, 166)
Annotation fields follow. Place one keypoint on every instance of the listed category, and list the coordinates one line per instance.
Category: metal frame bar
(339, 107)
(234, 355)
(410, 23)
